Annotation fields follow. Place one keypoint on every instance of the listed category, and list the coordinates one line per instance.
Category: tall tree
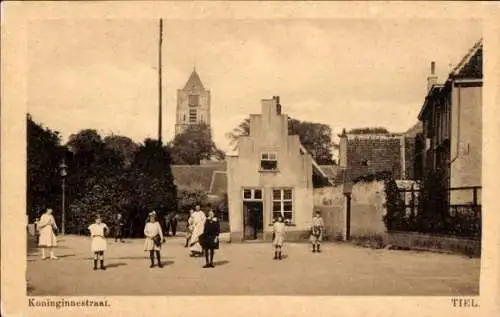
(91, 157)
(315, 137)
(123, 146)
(153, 183)
(193, 145)
(44, 155)
(95, 180)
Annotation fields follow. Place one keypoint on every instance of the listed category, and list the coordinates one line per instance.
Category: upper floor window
(192, 115)
(269, 161)
(194, 100)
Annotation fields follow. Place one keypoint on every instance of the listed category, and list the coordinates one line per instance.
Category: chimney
(432, 78)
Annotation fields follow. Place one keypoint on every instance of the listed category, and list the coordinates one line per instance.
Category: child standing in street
(317, 228)
(210, 239)
(47, 227)
(98, 231)
(278, 237)
(154, 238)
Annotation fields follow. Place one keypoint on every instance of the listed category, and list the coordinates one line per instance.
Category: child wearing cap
(317, 228)
(98, 241)
(154, 238)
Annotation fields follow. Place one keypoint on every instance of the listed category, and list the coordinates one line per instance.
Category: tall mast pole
(160, 82)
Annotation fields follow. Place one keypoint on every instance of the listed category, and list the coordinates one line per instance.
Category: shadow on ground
(112, 265)
(220, 263)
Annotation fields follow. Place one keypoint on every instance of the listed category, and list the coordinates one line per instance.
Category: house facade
(271, 175)
(452, 127)
(193, 104)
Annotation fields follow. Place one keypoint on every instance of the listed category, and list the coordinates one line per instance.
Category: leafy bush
(189, 197)
(101, 183)
(433, 212)
(393, 205)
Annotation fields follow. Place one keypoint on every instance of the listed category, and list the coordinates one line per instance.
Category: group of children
(316, 234)
(203, 233)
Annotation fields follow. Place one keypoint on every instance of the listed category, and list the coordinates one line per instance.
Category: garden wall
(367, 210)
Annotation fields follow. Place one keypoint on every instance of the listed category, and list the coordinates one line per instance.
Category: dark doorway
(253, 220)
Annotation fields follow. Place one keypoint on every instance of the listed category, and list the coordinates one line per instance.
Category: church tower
(193, 104)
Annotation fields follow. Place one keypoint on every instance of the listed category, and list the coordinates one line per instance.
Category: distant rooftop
(194, 82)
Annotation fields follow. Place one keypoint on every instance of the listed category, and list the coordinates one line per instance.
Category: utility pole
(63, 171)
(160, 43)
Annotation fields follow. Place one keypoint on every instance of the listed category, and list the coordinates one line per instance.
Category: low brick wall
(435, 243)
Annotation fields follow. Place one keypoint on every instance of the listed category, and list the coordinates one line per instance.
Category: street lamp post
(63, 169)
(347, 192)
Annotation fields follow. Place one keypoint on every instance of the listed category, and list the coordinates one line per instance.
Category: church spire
(194, 82)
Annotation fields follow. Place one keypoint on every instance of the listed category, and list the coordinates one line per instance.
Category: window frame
(268, 159)
(282, 200)
(191, 112)
(197, 99)
(252, 194)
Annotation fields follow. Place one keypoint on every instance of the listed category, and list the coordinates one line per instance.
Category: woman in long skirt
(154, 238)
(278, 237)
(189, 228)
(98, 231)
(210, 238)
(46, 227)
(199, 219)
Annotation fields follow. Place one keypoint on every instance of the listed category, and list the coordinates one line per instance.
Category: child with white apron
(154, 238)
(98, 231)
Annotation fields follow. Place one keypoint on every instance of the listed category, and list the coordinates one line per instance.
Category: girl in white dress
(47, 240)
(154, 238)
(98, 231)
(278, 237)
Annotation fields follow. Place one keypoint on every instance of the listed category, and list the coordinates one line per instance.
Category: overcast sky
(346, 73)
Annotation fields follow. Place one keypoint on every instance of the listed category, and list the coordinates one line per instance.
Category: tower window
(194, 100)
(192, 115)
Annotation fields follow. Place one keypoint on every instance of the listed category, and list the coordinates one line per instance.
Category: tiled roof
(330, 170)
(219, 183)
(198, 176)
(194, 82)
(371, 155)
(414, 130)
(471, 65)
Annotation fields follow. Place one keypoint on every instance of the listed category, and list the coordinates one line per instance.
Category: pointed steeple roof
(194, 82)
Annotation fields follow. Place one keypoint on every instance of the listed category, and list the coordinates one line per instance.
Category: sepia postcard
(244, 158)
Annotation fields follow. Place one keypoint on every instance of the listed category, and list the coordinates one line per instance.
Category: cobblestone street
(248, 269)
